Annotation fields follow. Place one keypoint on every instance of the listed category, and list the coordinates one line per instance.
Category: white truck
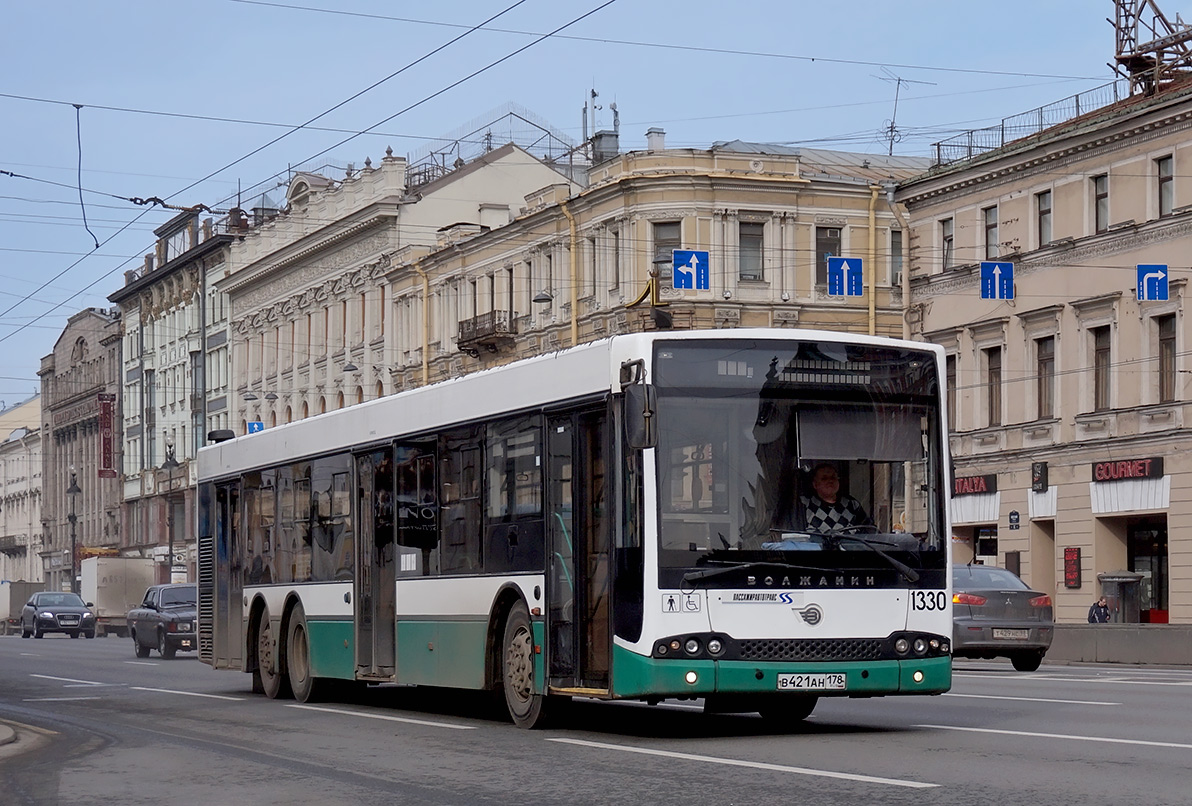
(13, 595)
(115, 585)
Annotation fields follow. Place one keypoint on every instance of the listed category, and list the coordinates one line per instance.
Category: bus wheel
(274, 684)
(785, 709)
(526, 707)
(305, 686)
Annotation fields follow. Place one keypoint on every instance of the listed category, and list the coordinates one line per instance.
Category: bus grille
(812, 649)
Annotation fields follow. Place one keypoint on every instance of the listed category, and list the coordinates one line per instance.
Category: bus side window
(416, 509)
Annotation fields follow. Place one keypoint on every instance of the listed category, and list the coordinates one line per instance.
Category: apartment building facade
(1069, 401)
(20, 491)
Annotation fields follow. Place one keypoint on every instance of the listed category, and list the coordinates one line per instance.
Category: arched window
(339, 400)
(380, 389)
(359, 395)
(305, 409)
(289, 414)
(322, 405)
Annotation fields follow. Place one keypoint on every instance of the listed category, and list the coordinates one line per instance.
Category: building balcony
(491, 330)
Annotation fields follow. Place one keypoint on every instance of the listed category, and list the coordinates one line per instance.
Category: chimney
(655, 139)
(605, 146)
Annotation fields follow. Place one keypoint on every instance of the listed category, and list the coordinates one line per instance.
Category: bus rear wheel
(270, 670)
(305, 686)
(527, 708)
(785, 709)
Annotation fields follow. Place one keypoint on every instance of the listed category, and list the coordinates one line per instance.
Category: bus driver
(828, 509)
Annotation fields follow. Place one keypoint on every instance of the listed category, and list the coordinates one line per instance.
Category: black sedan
(49, 612)
(165, 620)
(995, 614)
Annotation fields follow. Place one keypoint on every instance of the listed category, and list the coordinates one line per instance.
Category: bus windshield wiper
(727, 567)
(909, 573)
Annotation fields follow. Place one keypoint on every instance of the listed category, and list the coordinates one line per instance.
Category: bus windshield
(816, 456)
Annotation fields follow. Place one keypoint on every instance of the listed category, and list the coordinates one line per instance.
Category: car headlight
(46, 614)
(86, 614)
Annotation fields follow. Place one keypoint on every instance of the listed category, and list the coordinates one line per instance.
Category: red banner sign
(1125, 469)
(1072, 567)
(107, 447)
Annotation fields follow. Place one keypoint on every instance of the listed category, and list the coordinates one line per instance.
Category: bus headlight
(902, 646)
(691, 647)
(691, 677)
(920, 646)
(715, 647)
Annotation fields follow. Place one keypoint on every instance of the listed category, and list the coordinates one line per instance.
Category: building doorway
(1146, 554)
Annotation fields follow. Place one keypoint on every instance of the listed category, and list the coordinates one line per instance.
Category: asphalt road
(95, 725)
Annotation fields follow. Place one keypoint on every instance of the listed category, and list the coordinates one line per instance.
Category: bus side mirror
(640, 429)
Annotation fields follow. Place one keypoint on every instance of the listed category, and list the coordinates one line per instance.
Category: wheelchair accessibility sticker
(680, 603)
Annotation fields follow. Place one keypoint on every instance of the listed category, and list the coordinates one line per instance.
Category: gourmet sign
(1125, 469)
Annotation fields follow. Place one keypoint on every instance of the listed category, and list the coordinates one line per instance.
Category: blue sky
(173, 93)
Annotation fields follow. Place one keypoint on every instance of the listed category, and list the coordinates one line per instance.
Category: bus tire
(787, 709)
(271, 667)
(527, 708)
(305, 686)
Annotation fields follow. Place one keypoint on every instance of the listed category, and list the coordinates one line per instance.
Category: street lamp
(168, 465)
(73, 492)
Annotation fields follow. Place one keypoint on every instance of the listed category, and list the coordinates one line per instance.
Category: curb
(7, 735)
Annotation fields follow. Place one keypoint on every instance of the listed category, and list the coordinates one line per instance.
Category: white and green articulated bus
(636, 518)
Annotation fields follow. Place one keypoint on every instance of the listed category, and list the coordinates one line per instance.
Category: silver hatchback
(995, 614)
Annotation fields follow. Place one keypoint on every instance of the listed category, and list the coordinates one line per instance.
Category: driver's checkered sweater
(820, 516)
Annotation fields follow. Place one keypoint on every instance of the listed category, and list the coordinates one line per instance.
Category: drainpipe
(906, 260)
(574, 283)
(425, 322)
(873, 189)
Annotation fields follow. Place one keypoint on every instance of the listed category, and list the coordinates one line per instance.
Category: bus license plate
(812, 682)
(1011, 635)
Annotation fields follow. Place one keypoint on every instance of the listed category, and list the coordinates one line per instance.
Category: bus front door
(578, 616)
(375, 567)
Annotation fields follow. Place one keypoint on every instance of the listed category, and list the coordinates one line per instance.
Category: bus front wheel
(526, 706)
(786, 709)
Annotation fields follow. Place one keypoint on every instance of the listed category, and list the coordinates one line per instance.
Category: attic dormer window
(176, 244)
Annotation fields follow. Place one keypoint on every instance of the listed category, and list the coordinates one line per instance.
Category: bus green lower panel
(441, 653)
(638, 676)
(331, 649)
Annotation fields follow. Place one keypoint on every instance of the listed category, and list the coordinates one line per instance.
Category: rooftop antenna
(892, 133)
(1151, 49)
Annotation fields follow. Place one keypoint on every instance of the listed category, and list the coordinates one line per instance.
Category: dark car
(165, 620)
(57, 612)
(995, 614)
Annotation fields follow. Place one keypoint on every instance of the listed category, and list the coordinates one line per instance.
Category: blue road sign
(255, 426)
(691, 270)
(845, 275)
(1152, 282)
(997, 279)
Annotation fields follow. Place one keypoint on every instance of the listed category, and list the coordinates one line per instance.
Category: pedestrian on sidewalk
(1099, 612)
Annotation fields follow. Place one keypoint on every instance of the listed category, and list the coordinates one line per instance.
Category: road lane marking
(59, 699)
(72, 680)
(141, 663)
(1116, 681)
(1100, 739)
(1029, 699)
(756, 765)
(186, 693)
(385, 717)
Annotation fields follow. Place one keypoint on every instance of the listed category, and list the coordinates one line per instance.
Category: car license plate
(812, 682)
(1011, 635)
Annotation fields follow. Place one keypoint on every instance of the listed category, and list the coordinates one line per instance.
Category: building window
(1101, 203)
(1164, 167)
(947, 243)
(1045, 377)
(666, 240)
(1101, 361)
(950, 384)
(896, 257)
(989, 214)
(827, 244)
(750, 240)
(1166, 328)
(993, 384)
(1043, 216)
